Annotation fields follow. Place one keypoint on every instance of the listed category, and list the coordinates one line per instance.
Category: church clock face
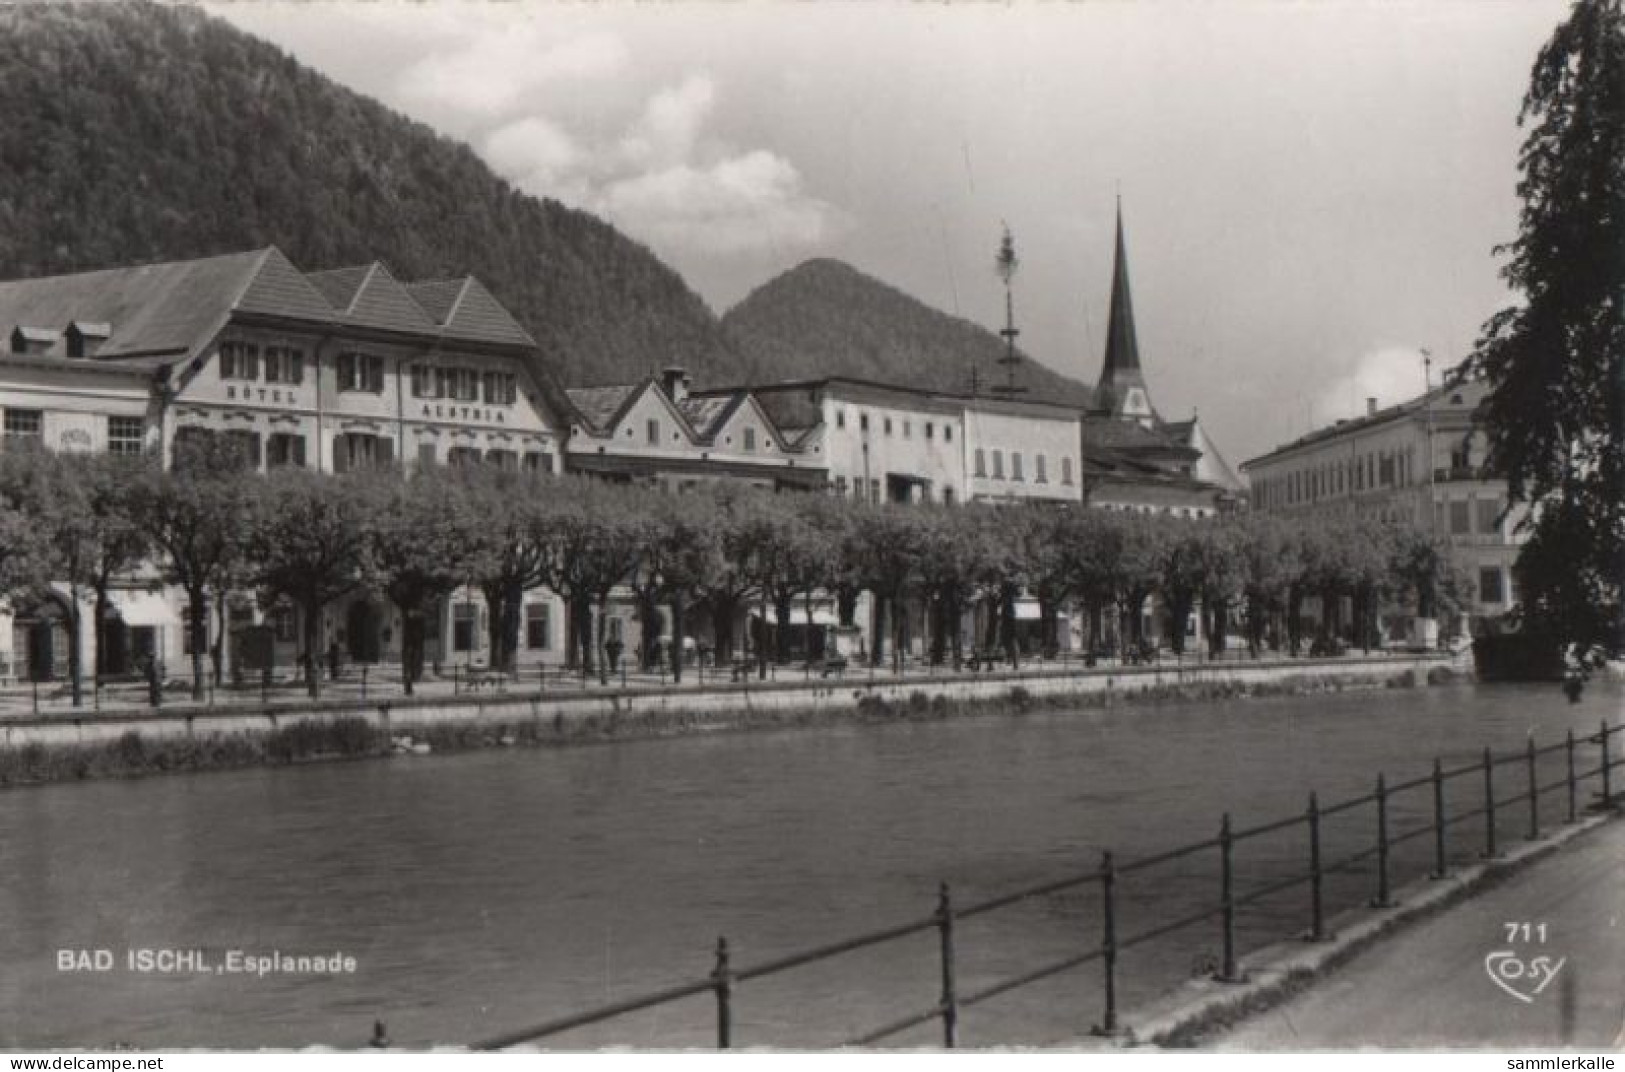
(1134, 403)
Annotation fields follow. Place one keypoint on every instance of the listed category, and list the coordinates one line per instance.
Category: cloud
(496, 69)
(1390, 374)
(668, 130)
(741, 204)
(536, 153)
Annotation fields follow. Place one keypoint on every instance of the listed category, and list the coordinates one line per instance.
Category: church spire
(1122, 388)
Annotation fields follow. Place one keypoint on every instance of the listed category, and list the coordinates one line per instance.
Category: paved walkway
(1430, 985)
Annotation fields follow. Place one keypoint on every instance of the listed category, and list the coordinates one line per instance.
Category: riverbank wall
(36, 749)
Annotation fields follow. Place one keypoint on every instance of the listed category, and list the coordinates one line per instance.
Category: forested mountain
(826, 318)
(135, 132)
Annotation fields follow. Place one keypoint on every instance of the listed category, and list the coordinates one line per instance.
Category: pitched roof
(600, 406)
(277, 288)
(706, 413)
(464, 309)
(1113, 433)
(1122, 341)
(369, 296)
(153, 307)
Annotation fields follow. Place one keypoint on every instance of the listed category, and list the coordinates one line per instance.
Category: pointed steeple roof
(1120, 373)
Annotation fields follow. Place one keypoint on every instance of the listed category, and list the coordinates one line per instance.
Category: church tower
(1122, 392)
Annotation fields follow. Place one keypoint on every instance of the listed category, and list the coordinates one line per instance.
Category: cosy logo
(1523, 979)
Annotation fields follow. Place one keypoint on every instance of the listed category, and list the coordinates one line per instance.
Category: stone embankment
(56, 747)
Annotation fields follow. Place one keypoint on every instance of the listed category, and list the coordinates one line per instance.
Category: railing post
(1568, 752)
(363, 682)
(380, 1036)
(945, 934)
(723, 978)
(1534, 790)
(1441, 866)
(1226, 891)
(1607, 781)
(1108, 944)
(455, 687)
(1489, 805)
(1382, 900)
(1317, 914)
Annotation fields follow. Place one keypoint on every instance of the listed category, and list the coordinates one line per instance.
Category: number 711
(1526, 932)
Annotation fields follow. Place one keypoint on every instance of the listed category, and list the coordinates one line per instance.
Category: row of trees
(211, 528)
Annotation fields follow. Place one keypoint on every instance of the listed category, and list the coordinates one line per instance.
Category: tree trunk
(313, 646)
(1007, 627)
(899, 624)
(781, 616)
(939, 632)
(76, 648)
(846, 605)
(677, 631)
(217, 650)
(100, 610)
(603, 624)
(197, 623)
(956, 612)
(877, 647)
(648, 630)
(411, 643)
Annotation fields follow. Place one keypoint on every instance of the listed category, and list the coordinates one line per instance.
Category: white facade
(1022, 451)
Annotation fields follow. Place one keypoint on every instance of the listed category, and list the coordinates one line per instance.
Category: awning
(143, 608)
(798, 616)
(1027, 610)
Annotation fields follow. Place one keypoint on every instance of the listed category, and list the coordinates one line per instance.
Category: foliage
(1555, 362)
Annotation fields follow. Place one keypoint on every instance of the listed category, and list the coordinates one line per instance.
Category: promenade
(1430, 985)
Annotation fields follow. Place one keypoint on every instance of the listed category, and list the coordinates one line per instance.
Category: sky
(1312, 192)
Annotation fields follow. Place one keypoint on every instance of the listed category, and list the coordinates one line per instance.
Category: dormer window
(85, 338)
(27, 340)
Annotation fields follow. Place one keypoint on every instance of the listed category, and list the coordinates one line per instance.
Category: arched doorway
(361, 632)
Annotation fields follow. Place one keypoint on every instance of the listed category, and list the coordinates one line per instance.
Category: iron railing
(724, 979)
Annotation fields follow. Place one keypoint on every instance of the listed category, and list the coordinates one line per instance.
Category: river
(483, 891)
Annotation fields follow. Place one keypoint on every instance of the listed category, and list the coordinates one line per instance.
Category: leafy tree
(195, 513)
(421, 543)
(678, 549)
(953, 551)
(307, 539)
(1268, 565)
(509, 552)
(1555, 362)
(888, 540)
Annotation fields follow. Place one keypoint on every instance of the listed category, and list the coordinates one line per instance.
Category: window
(502, 459)
(246, 444)
(840, 418)
(538, 462)
(284, 623)
(125, 435)
(888, 426)
(948, 496)
(947, 433)
(287, 448)
(1066, 470)
(750, 439)
(284, 364)
(425, 382)
(239, 361)
(840, 486)
(1015, 465)
(651, 432)
(1489, 517)
(930, 430)
(908, 429)
(426, 454)
(1039, 464)
(459, 384)
(1461, 456)
(458, 457)
(1489, 585)
(464, 626)
(981, 462)
(501, 389)
(538, 626)
(998, 465)
(361, 372)
(361, 450)
(874, 491)
(1459, 519)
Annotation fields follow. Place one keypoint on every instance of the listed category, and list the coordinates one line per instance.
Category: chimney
(674, 381)
(1370, 406)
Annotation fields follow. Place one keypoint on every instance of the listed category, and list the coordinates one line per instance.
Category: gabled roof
(1113, 433)
(369, 296)
(602, 407)
(162, 308)
(464, 309)
(707, 413)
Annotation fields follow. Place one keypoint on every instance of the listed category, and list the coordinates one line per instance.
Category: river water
(481, 892)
